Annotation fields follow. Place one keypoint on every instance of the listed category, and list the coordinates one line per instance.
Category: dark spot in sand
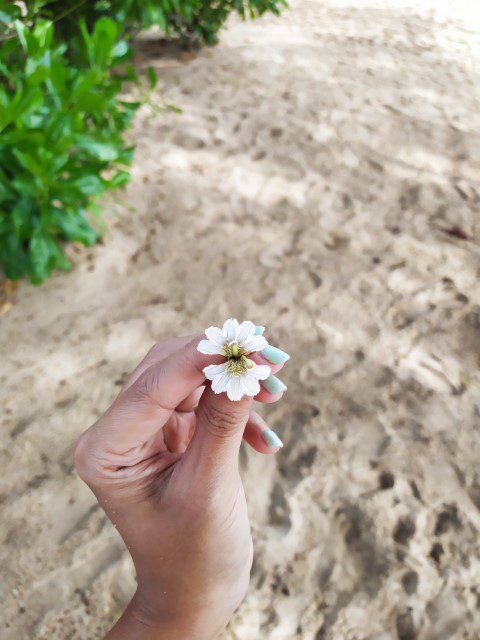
(121, 380)
(316, 279)
(359, 535)
(456, 232)
(410, 197)
(404, 530)
(21, 426)
(436, 552)
(62, 404)
(259, 155)
(415, 490)
(410, 582)
(359, 355)
(405, 626)
(386, 480)
(37, 481)
(447, 519)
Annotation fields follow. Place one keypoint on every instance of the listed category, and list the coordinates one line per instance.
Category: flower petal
(214, 370)
(245, 330)
(209, 348)
(255, 343)
(215, 335)
(260, 371)
(220, 383)
(250, 384)
(234, 389)
(229, 329)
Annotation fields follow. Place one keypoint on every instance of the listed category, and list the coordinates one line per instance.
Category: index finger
(143, 408)
(159, 351)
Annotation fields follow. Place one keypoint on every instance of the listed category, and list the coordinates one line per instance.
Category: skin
(163, 464)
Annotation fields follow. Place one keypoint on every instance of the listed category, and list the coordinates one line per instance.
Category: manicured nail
(259, 330)
(275, 355)
(271, 438)
(273, 384)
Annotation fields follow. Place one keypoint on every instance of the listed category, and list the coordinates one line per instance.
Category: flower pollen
(233, 350)
(237, 366)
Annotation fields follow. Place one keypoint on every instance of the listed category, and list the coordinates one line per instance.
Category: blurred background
(316, 171)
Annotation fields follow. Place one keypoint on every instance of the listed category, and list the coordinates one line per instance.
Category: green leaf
(43, 34)
(23, 34)
(37, 70)
(27, 186)
(120, 179)
(42, 256)
(31, 100)
(89, 185)
(103, 38)
(101, 150)
(29, 162)
(75, 226)
(24, 218)
(84, 83)
(121, 49)
(14, 257)
(152, 77)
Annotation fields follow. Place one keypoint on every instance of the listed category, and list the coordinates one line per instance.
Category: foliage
(61, 128)
(198, 20)
(62, 118)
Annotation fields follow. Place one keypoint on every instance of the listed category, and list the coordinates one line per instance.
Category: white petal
(215, 335)
(250, 384)
(209, 348)
(245, 330)
(214, 370)
(255, 343)
(220, 383)
(234, 389)
(260, 371)
(229, 329)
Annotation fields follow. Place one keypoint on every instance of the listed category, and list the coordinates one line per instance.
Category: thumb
(215, 446)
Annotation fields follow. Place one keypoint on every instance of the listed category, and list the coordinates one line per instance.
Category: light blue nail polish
(271, 438)
(275, 355)
(273, 384)
(259, 330)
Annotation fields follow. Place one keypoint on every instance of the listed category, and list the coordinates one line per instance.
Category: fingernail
(273, 384)
(271, 438)
(275, 355)
(259, 330)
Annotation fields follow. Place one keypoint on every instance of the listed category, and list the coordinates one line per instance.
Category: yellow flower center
(233, 350)
(237, 362)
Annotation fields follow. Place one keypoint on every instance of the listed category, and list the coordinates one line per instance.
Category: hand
(163, 463)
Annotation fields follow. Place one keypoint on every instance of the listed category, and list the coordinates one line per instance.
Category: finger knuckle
(81, 457)
(147, 386)
(222, 420)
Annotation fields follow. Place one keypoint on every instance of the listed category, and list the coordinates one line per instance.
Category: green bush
(61, 143)
(62, 120)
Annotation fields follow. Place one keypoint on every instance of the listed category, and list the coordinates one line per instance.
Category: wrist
(138, 622)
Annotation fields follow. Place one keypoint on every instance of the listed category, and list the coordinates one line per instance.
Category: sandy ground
(323, 179)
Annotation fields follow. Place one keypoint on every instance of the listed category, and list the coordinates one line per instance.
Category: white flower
(238, 376)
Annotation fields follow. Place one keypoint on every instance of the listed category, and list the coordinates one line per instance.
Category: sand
(323, 179)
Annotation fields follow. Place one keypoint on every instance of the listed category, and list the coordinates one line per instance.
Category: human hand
(163, 463)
